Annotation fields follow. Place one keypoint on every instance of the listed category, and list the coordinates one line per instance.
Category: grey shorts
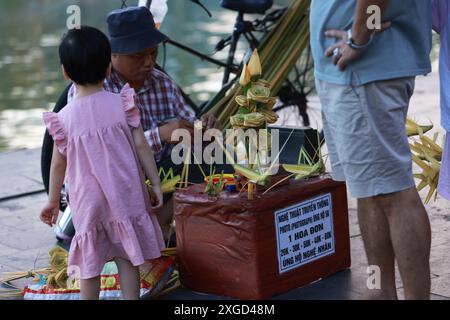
(365, 134)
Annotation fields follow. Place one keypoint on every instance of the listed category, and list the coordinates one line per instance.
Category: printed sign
(304, 232)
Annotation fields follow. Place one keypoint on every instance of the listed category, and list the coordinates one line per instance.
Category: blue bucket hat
(132, 30)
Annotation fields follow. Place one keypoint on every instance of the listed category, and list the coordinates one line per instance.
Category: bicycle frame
(289, 95)
(203, 56)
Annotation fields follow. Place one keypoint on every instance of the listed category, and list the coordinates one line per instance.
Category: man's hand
(165, 131)
(210, 122)
(49, 215)
(345, 54)
(156, 197)
(340, 52)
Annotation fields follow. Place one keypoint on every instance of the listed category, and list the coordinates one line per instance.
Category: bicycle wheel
(295, 107)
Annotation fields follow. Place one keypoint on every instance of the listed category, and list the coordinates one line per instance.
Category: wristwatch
(354, 46)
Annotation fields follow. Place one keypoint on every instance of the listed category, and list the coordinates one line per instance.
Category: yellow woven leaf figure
(61, 278)
(245, 76)
(264, 83)
(51, 280)
(237, 120)
(414, 129)
(254, 120)
(58, 259)
(259, 93)
(242, 101)
(254, 65)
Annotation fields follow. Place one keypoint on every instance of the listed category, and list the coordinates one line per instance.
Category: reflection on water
(30, 78)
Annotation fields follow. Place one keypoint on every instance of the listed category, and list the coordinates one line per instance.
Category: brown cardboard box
(256, 249)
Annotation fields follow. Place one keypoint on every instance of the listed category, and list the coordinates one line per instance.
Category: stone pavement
(25, 241)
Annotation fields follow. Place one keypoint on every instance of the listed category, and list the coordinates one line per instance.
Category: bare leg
(377, 242)
(90, 289)
(165, 217)
(401, 219)
(411, 240)
(130, 279)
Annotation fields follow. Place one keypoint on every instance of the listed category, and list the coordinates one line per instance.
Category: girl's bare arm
(49, 214)
(148, 163)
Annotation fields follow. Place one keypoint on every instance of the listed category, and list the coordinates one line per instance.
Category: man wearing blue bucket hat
(134, 42)
(133, 30)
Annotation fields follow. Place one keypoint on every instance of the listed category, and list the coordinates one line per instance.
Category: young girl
(441, 24)
(100, 144)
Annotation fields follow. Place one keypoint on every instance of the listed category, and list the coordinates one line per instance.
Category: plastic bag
(154, 277)
(158, 9)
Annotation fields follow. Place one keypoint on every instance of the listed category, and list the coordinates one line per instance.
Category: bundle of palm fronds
(10, 290)
(414, 129)
(55, 275)
(306, 168)
(279, 52)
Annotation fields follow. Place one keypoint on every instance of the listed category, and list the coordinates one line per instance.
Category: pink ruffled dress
(110, 202)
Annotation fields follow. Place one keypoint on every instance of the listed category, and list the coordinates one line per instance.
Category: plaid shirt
(159, 100)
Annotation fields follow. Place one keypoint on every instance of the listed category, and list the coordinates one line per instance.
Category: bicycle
(294, 91)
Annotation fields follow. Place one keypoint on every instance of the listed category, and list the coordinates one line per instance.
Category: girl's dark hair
(85, 54)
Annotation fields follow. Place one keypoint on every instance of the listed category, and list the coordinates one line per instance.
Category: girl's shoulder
(98, 96)
(126, 97)
(117, 99)
(111, 95)
(100, 106)
(107, 103)
(106, 95)
(102, 99)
